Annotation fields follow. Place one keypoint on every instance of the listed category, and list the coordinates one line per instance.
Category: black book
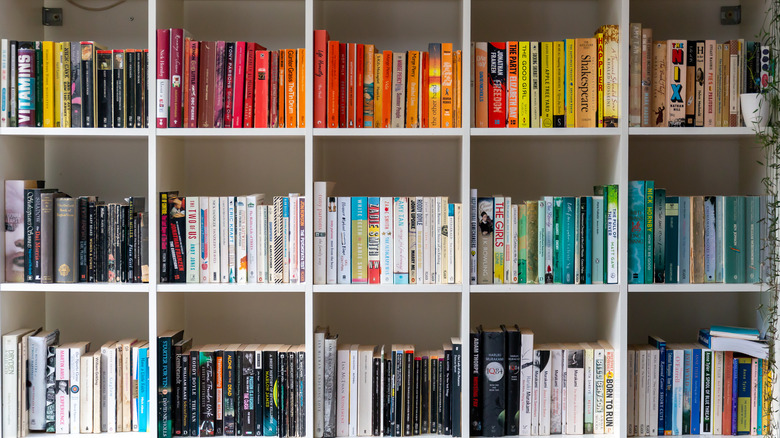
(292, 394)
(302, 391)
(247, 403)
(83, 205)
(416, 396)
(140, 91)
(229, 390)
(434, 364)
(194, 411)
(178, 390)
(88, 89)
(185, 393)
(512, 348)
(176, 240)
(135, 205)
(164, 251)
(130, 74)
(389, 420)
(208, 405)
(259, 396)
(119, 88)
(376, 392)
(690, 89)
(584, 212)
(219, 374)
(398, 398)
(165, 378)
(92, 231)
(271, 380)
(440, 408)
(105, 89)
(32, 235)
(124, 244)
(408, 390)
(494, 382)
(475, 409)
(425, 394)
(283, 396)
(447, 397)
(455, 400)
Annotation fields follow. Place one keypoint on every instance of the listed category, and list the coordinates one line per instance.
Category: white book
(36, 358)
(411, 240)
(97, 387)
(365, 389)
(445, 242)
(420, 236)
(386, 241)
(204, 230)
(108, 387)
(515, 238)
(575, 390)
(4, 74)
(631, 388)
(653, 364)
(536, 394)
(450, 243)
(240, 239)
(85, 393)
(526, 380)
(436, 211)
(293, 239)
(319, 380)
(286, 239)
(641, 392)
(215, 261)
(428, 264)
(459, 243)
(251, 239)
(353, 389)
(473, 237)
(331, 253)
(301, 220)
(342, 392)
(344, 207)
(263, 274)
(76, 351)
(62, 391)
(589, 388)
(11, 376)
(192, 228)
(545, 390)
(321, 192)
(598, 390)
(717, 393)
(400, 240)
(564, 382)
(610, 387)
(124, 384)
(231, 238)
(556, 386)
(548, 239)
(508, 244)
(677, 391)
(224, 217)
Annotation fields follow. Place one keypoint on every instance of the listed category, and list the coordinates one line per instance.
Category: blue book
(687, 390)
(684, 220)
(597, 218)
(696, 392)
(671, 233)
(568, 242)
(668, 393)
(660, 344)
(659, 237)
(649, 229)
(557, 234)
(636, 232)
(759, 397)
(588, 239)
(143, 389)
(735, 394)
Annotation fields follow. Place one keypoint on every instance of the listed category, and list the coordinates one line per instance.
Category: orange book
(447, 90)
(512, 50)
(300, 100)
(359, 86)
(434, 85)
(480, 85)
(290, 81)
(412, 88)
(351, 78)
(379, 70)
(333, 84)
(424, 92)
(458, 69)
(387, 84)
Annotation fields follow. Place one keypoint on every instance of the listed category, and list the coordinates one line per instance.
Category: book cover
(585, 70)
(494, 382)
(344, 244)
(676, 86)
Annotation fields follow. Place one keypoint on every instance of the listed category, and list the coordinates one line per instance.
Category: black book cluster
(230, 389)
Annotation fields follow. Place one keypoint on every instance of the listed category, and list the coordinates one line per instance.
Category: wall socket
(730, 15)
(52, 16)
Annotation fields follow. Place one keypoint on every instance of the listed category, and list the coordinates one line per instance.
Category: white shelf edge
(701, 287)
(102, 434)
(545, 132)
(230, 132)
(689, 131)
(76, 287)
(76, 132)
(387, 288)
(231, 287)
(390, 132)
(544, 288)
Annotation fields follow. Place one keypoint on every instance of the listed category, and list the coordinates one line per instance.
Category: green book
(734, 250)
(649, 230)
(752, 239)
(611, 244)
(636, 232)
(541, 242)
(744, 365)
(659, 236)
(567, 245)
(598, 239)
(522, 243)
(557, 234)
(720, 237)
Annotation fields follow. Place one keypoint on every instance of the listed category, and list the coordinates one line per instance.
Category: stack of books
(72, 85)
(70, 389)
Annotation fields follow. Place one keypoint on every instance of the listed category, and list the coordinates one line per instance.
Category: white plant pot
(755, 110)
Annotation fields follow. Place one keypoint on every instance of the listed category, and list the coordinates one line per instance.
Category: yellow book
(536, 84)
(434, 85)
(378, 74)
(446, 85)
(512, 84)
(412, 88)
(368, 86)
(611, 75)
(57, 85)
(458, 92)
(600, 79)
(547, 84)
(301, 91)
(524, 85)
(291, 78)
(559, 79)
(65, 85)
(48, 84)
(569, 98)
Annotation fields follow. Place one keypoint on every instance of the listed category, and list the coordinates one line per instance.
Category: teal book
(557, 235)
(720, 237)
(759, 395)
(709, 238)
(568, 242)
(687, 390)
(649, 229)
(522, 237)
(588, 238)
(598, 240)
(636, 232)
(579, 244)
(659, 237)
(671, 231)
(142, 402)
(752, 239)
(611, 243)
(684, 240)
(734, 251)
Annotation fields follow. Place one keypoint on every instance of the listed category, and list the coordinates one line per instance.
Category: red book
(387, 87)
(333, 84)
(261, 88)
(249, 86)
(359, 86)
(163, 76)
(321, 39)
(343, 85)
(206, 95)
(351, 59)
(424, 87)
(238, 84)
(728, 369)
(273, 87)
(177, 71)
(219, 87)
(497, 85)
(187, 78)
(230, 67)
(191, 84)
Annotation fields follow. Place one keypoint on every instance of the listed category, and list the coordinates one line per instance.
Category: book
(757, 349)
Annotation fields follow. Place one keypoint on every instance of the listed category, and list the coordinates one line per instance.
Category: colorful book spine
(497, 84)
(524, 85)
(400, 241)
(374, 269)
(163, 76)
(676, 86)
(434, 85)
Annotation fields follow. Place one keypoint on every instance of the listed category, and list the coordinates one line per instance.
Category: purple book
(734, 395)
(219, 86)
(26, 83)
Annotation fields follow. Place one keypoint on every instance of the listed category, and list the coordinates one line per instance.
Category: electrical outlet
(730, 14)
(52, 16)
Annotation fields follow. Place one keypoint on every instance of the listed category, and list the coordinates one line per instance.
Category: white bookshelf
(521, 163)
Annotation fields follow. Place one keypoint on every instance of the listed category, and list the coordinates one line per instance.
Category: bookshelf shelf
(740, 132)
(141, 133)
(546, 132)
(75, 287)
(238, 288)
(695, 288)
(544, 288)
(387, 288)
(390, 132)
(231, 132)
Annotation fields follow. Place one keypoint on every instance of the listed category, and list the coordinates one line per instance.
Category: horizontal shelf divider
(387, 288)
(545, 132)
(231, 287)
(76, 287)
(700, 287)
(230, 132)
(390, 132)
(689, 131)
(544, 288)
(76, 132)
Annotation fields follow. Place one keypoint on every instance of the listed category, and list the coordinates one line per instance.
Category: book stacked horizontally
(736, 339)
(70, 389)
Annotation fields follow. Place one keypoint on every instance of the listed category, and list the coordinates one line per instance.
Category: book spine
(481, 85)
(247, 119)
(176, 66)
(26, 85)
(497, 84)
(647, 77)
(331, 252)
(398, 95)
(359, 239)
(239, 81)
(105, 89)
(193, 239)
(262, 83)
(321, 38)
(291, 74)
(66, 229)
(676, 87)
(369, 81)
(374, 267)
(434, 85)
(163, 76)
(400, 241)
(344, 246)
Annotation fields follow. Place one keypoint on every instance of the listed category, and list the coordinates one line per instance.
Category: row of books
(394, 390)
(359, 86)
(228, 84)
(387, 240)
(55, 238)
(72, 84)
(692, 82)
(230, 389)
(232, 239)
(558, 239)
(553, 84)
(680, 389)
(519, 388)
(66, 388)
(693, 239)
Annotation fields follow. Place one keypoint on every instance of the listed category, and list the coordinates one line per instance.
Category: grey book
(75, 89)
(485, 241)
(47, 235)
(39, 344)
(329, 392)
(66, 230)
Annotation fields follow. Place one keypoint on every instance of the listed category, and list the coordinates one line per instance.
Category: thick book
(163, 76)
(165, 373)
(585, 69)
(494, 382)
(105, 89)
(496, 52)
(66, 231)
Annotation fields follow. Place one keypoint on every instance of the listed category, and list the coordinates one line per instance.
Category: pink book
(230, 70)
(249, 85)
(191, 93)
(163, 76)
(321, 38)
(261, 88)
(238, 84)
(177, 72)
